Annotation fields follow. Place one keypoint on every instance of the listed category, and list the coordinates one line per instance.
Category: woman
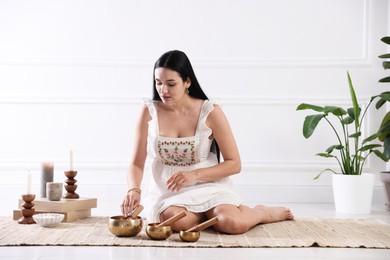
(183, 133)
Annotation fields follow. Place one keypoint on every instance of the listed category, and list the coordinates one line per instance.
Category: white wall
(73, 73)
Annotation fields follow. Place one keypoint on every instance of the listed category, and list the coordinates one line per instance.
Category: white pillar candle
(29, 183)
(71, 159)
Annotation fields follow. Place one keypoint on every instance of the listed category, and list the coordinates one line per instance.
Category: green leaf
(327, 169)
(337, 111)
(386, 119)
(326, 155)
(310, 124)
(357, 134)
(337, 147)
(386, 147)
(360, 158)
(371, 137)
(386, 65)
(385, 80)
(351, 112)
(386, 39)
(381, 155)
(380, 103)
(385, 126)
(369, 147)
(305, 106)
(384, 129)
(384, 56)
(348, 120)
(356, 107)
(385, 95)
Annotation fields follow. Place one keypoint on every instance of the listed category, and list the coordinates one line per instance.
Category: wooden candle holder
(71, 187)
(28, 210)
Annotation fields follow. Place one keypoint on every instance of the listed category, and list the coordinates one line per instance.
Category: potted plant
(385, 125)
(352, 188)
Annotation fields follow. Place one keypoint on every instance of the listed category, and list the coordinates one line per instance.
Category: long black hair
(178, 61)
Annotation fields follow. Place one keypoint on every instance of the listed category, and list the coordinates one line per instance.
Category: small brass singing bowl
(122, 226)
(158, 233)
(189, 236)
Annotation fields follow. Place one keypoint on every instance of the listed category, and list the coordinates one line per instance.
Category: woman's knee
(231, 225)
(168, 213)
(184, 223)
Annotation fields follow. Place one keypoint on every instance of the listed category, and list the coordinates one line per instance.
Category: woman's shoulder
(212, 106)
(214, 114)
(148, 101)
(149, 107)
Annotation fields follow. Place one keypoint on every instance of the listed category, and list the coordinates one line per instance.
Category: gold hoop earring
(187, 91)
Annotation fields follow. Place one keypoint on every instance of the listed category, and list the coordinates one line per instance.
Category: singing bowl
(158, 233)
(189, 236)
(122, 226)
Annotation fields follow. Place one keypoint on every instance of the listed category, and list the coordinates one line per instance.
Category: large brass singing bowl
(189, 236)
(158, 233)
(125, 226)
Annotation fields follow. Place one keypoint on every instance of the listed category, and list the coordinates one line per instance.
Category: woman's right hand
(131, 202)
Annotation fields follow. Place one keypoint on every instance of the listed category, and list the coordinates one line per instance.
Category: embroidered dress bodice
(177, 152)
(170, 155)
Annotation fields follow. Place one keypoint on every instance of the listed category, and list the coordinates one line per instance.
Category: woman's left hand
(181, 179)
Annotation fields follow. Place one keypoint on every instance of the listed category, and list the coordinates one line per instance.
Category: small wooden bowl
(122, 226)
(158, 233)
(189, 236)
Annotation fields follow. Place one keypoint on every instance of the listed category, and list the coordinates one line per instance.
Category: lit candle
(71, 159)
(29, 181)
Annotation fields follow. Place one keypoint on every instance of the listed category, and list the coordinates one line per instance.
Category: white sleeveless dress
(169, 155)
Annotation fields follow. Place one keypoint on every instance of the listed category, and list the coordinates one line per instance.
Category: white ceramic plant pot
(353, 193)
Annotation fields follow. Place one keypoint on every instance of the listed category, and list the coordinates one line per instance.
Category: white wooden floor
(300, 211)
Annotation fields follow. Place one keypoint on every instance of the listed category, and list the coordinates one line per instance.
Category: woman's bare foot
(274, 214)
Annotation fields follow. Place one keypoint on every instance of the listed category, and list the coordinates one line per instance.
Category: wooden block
(64, 205)
(77, 214)
(69, 216)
